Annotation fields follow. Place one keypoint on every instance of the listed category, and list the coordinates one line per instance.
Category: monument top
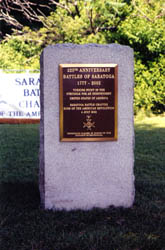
(114, 46)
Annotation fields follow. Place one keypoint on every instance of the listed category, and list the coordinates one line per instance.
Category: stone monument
(86, 129)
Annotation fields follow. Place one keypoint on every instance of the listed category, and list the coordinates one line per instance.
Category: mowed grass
(24, 225)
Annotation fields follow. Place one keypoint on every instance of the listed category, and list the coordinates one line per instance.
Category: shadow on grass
(20, 195)
(25, 226)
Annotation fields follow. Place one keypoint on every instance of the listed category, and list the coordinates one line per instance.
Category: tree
(72, 21)
(28, 9)
(18, 13)
(144, 30)
(137, 23)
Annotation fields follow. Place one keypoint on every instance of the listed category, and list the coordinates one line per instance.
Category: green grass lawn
(24, 225)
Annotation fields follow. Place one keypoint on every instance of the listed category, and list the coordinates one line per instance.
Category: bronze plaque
(88, 102)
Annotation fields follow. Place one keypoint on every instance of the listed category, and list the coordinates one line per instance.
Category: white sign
(19, 96)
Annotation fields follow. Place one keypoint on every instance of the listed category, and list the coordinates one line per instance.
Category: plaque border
(94, 139)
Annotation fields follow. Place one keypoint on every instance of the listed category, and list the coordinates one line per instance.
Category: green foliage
(144, 29)
(150, 87)
(138, 23)
(17, 54)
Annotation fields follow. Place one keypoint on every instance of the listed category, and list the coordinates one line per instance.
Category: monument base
(86, 174)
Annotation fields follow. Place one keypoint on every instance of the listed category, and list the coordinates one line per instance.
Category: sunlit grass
(151, 122)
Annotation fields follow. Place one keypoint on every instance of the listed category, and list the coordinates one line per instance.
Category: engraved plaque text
(88, 102)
